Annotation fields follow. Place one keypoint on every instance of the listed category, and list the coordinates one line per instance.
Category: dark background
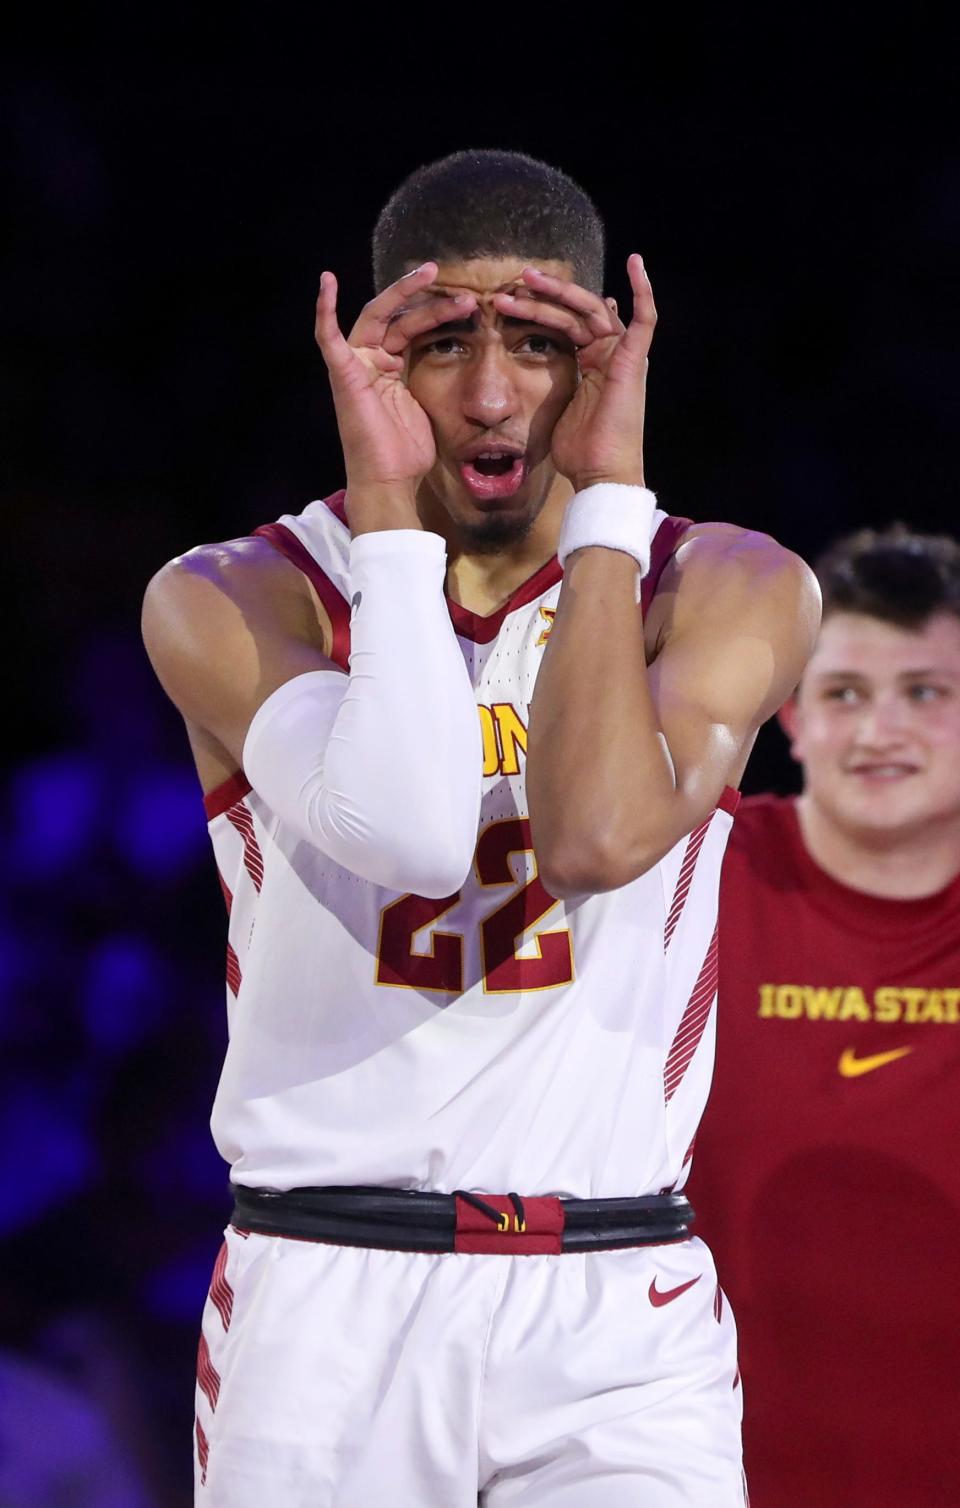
(798, 208)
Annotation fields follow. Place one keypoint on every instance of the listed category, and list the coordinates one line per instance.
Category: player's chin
(902, 807)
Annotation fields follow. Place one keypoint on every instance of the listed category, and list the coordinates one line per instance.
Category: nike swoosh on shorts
(668, 1295)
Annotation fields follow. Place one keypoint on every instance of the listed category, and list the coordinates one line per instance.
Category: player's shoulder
(722, 554)
(254, 566)
(232, 570)
(725, 578)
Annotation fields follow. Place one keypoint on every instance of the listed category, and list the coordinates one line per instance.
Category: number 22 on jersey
(504, 971)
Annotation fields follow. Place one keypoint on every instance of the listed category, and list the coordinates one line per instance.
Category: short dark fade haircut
(487, 204)
(892, 574)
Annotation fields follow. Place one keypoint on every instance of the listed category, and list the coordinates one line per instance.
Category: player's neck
(482, 580)
(902, 866)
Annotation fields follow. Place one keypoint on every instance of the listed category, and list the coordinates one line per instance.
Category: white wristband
(612, 516)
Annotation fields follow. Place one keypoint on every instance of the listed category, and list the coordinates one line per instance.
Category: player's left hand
(599, 436)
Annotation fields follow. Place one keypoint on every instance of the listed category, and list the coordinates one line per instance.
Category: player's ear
(789, 719)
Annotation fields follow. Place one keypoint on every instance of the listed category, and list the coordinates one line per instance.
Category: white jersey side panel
(494, 1040)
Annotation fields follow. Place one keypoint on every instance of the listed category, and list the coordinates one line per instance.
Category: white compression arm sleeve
(381, 769)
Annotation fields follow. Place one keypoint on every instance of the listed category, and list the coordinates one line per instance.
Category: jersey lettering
(889, 1004)
(504, 738)
(504, 968)
(403, 961)
(516, 956)
(547, 614)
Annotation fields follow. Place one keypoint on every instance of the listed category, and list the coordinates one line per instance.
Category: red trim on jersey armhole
(729, 800)
(663, 547)
(286, 542)
(483, 630)
(337, 503)
(223, 796)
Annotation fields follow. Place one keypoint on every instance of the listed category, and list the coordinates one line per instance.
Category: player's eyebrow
(468, 327)
(449, 327)
(842, 675)
(468, 324)
(512, 323)
(924, 672)
(928, 672)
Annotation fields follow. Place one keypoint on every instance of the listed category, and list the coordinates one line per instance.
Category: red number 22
(503, 970)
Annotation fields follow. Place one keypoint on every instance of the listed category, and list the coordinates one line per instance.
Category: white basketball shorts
(340, 1377)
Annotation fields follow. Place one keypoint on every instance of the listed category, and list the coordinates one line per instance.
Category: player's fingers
(410, 321)
(341, 360)
(643, 322)
(590, 306)
(327, 330)
(375, 317)
(537, 311)
(644, 308)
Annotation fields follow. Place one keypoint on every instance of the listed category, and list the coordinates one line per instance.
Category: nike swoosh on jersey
(851, 1067)
(658, 1299)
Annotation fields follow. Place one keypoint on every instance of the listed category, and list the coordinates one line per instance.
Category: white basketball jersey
(495, 1039)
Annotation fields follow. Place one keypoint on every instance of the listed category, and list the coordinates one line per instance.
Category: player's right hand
(387, 438)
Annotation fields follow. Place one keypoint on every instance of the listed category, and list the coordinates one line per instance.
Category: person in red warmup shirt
(827, 1175)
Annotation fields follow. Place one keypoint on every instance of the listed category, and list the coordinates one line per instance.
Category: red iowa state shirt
(826, 1176)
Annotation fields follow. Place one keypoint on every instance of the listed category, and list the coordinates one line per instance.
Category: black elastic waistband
(407, 1220)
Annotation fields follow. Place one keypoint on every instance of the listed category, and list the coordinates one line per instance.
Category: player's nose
(883, 724)
(490, 393)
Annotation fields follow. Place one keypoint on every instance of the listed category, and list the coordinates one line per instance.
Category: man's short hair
(892, 574)
(487, 204)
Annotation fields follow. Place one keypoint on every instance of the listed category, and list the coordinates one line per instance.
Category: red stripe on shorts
(203, 1451)
(221, 1294)
(207, 1374)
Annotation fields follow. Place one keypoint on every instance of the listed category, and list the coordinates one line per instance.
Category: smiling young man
(457, 1110)
(826, 1171)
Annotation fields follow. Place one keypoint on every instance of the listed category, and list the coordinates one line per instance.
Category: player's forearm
(386, 781)
(600, 779)
(383, 506)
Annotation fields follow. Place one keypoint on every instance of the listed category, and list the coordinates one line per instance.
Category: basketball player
(826, 1171)
(457, 1109)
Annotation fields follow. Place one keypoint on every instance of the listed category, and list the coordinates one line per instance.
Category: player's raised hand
(387, 438)
(599, 437)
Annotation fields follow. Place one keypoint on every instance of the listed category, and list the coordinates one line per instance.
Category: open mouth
(493, 475)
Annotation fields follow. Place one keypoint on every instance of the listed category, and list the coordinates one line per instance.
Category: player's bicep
(224, 628)
(728, 666)
(708, 734)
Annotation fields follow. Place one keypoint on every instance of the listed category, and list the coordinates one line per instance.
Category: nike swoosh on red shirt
(851, 1067)
(658, 1299)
